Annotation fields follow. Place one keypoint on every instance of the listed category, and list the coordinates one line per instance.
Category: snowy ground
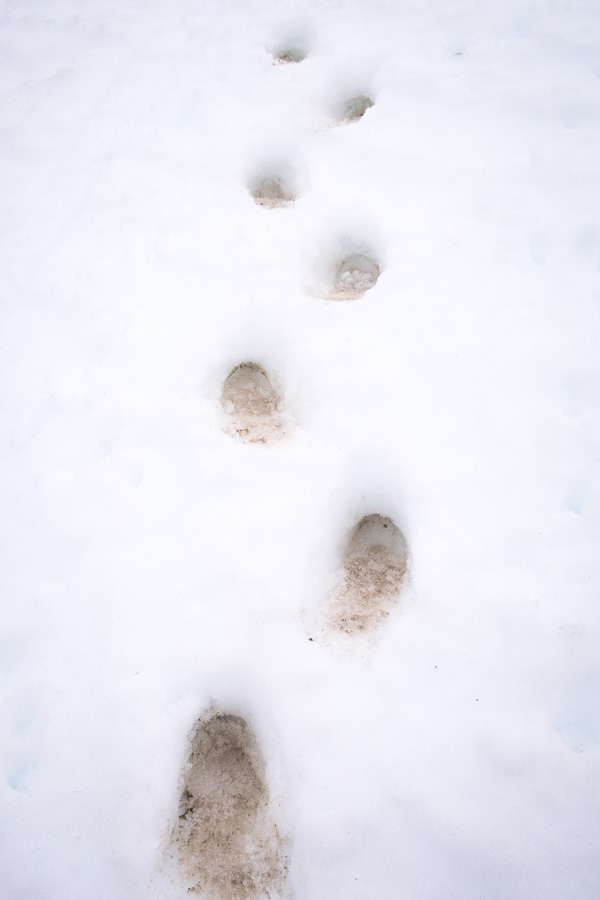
(152, 565)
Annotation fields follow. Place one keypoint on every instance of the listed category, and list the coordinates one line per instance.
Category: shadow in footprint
(226, 838)
(355, 274)
(252, 404)
(375, 564)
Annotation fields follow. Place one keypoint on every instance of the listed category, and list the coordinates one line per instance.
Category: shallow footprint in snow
(375, 565)
(284, 55)
(227, 841)
(356, 108)
(253, 406)
(355, 274)
(272, 193)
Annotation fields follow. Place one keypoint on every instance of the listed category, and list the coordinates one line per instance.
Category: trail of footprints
(226, 837)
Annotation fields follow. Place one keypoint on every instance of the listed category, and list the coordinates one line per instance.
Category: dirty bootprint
(375, 565)
(227, 841)
(253, 406)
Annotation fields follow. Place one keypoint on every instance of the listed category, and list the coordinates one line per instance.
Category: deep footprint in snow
(356, 108)
(355, 274)
(375, 565)
(227, 841)
(272, 193)
(252, 404)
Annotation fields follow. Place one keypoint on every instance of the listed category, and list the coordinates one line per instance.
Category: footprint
(356, 108)
(227, 841)
(284, 55)
(272, 193)
(356, 274)
(253, 406)
(375, 565)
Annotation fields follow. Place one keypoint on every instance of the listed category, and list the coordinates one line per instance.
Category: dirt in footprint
(253, 405)
(228, 843)
(375, 564)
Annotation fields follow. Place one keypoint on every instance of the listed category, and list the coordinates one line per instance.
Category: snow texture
(157, 571)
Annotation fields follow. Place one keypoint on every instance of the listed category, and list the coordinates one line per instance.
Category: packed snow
(157, 569)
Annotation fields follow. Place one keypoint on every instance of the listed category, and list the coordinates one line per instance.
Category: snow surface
(152, 565)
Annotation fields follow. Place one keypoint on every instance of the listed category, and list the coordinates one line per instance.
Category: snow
(152, 565)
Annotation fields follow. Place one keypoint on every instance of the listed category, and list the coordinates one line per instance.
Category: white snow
(152, 565)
